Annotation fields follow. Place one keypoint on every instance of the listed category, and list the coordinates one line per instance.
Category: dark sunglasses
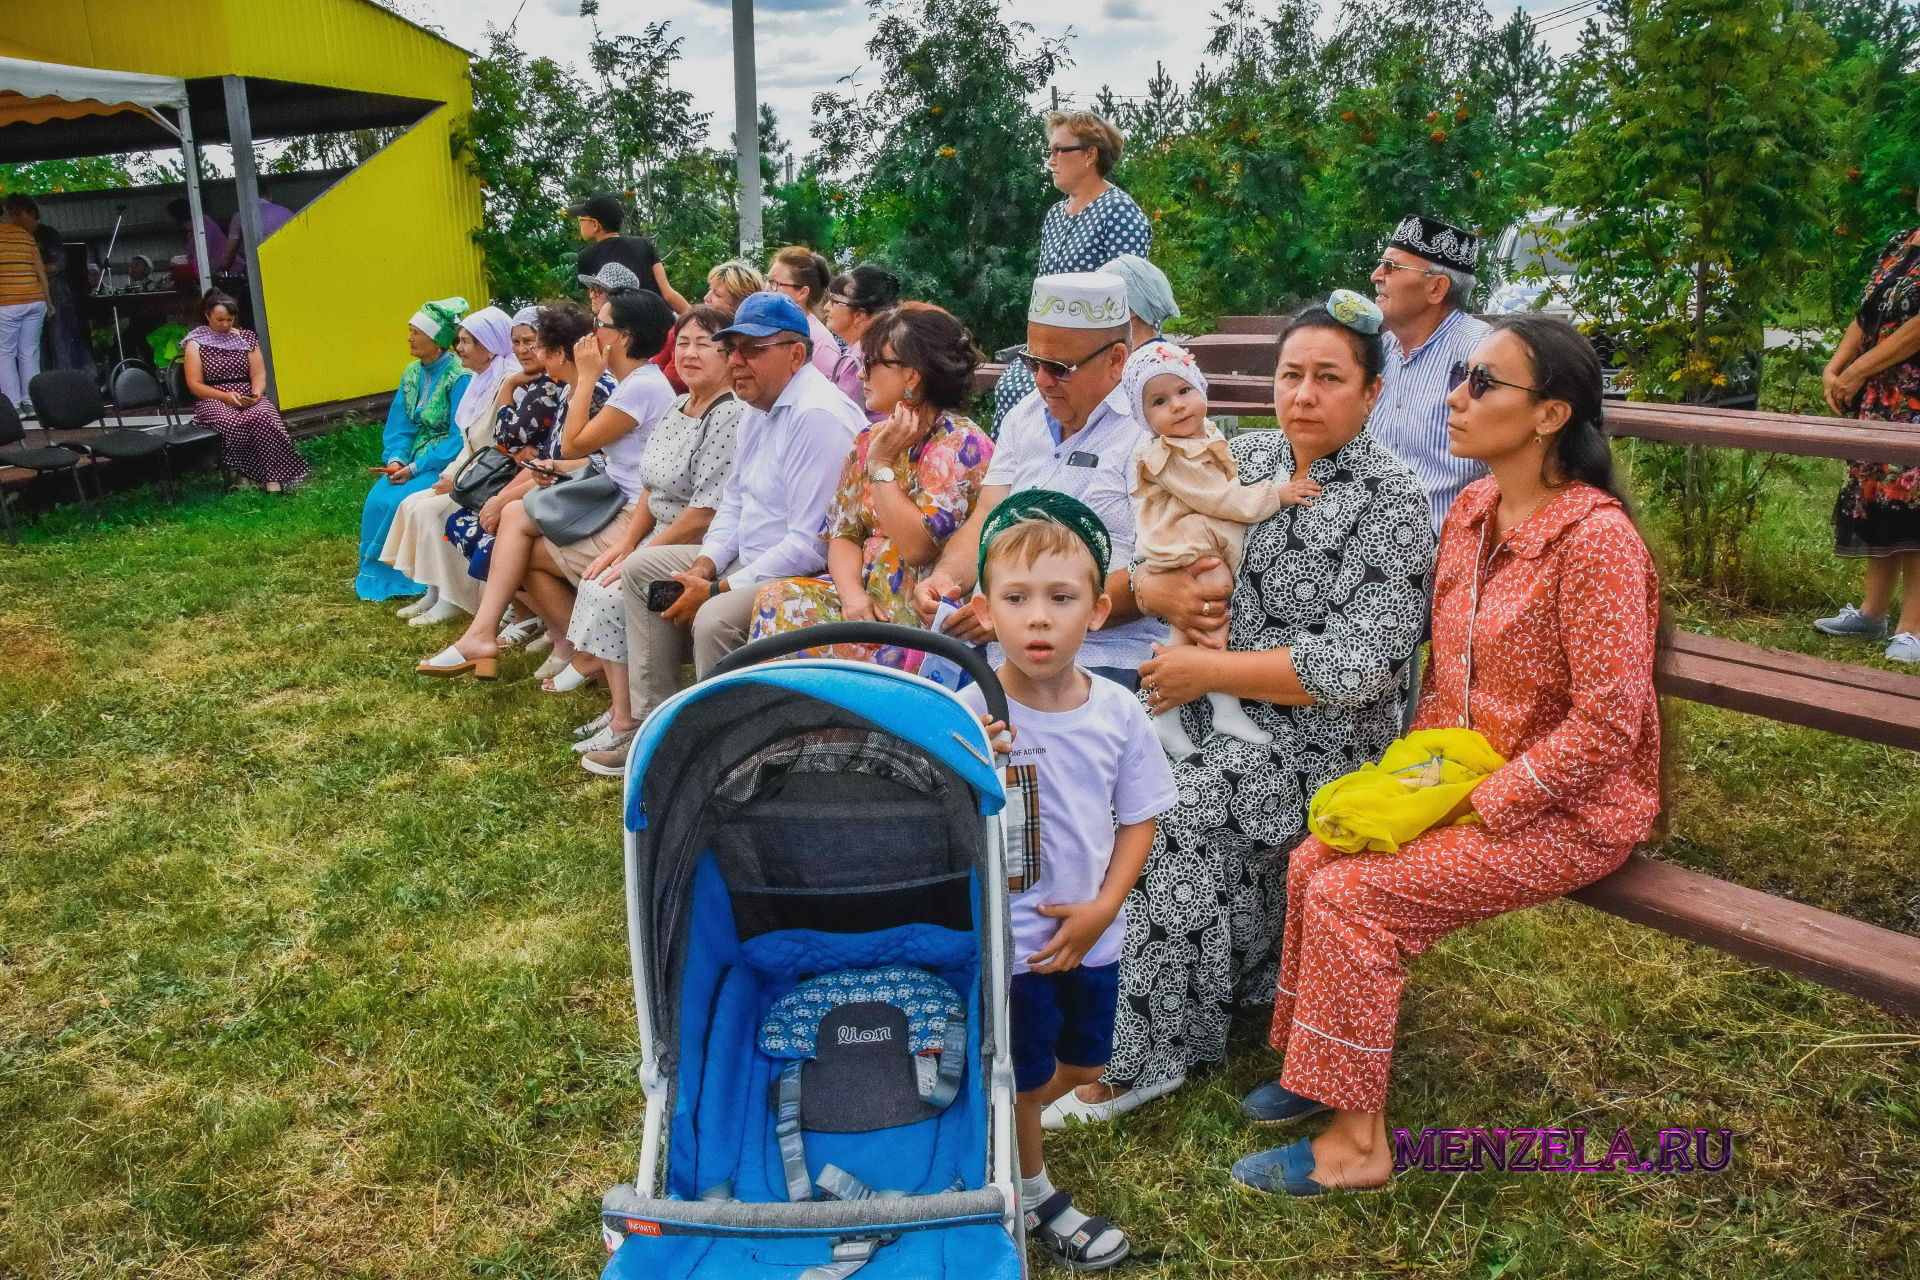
(1479, 378)
(1059, 370)
(870, 363)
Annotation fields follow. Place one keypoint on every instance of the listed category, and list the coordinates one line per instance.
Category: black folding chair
(135, 386)
(67, 400)
(41, 461)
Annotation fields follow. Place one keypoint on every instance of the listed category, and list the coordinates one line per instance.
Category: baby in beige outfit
(1190, 505)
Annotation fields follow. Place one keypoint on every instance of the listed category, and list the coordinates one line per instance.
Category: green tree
(936, 169)
(1693, 173)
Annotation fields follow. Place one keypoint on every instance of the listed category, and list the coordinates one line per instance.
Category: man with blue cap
(793, 444)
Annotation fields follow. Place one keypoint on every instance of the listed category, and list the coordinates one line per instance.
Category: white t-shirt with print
(1098, 765)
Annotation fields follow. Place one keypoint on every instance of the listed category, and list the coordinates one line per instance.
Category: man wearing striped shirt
(1423, 281)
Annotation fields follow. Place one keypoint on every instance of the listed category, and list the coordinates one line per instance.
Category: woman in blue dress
(417, 444)
(1096, 223)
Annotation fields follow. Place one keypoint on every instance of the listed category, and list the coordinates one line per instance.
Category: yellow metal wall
(342, 277)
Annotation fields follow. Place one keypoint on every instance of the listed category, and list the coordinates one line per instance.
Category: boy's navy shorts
(1062, 1018)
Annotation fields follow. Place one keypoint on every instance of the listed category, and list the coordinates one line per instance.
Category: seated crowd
(1196, 633)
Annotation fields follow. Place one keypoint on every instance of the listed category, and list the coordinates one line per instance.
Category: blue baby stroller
(817, 913)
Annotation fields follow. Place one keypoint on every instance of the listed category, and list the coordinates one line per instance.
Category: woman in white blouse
(684, 469)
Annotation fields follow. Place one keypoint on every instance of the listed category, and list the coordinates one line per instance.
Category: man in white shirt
(1424, 280)
(1075, 433)
(793, 444)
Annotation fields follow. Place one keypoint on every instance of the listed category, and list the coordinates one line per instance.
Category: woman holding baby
(1320, 618)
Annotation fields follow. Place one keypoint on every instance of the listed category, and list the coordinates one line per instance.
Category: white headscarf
(492, 328)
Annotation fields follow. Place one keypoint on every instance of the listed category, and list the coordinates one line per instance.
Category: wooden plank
(1861, 959)
(1251, 324)
(1847, 674)
(1869, 715)
(1795, 434)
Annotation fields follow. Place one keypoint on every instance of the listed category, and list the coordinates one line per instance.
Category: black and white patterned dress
(1343, 585)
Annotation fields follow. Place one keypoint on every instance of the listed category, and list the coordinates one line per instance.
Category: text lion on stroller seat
(816, 903)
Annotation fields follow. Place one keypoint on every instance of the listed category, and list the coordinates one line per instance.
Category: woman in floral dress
(913, 479)
(1875, 375)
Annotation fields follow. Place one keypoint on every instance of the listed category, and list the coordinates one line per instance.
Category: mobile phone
(383, 471)
(538, 468)
(662, 592)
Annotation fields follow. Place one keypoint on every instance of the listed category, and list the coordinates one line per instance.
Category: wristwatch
(881, 475)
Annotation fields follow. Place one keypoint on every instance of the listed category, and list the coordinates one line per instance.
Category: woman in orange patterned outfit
(1546, 609)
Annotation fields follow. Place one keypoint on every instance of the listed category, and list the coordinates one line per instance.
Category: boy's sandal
(1074, 1252)
(1287, 1169)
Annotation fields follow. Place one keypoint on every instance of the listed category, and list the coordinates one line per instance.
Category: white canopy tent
(36, 92)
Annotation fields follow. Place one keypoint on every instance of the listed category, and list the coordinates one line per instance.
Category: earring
(908, 397)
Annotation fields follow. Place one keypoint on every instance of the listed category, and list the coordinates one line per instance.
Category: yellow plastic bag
(1380, 807)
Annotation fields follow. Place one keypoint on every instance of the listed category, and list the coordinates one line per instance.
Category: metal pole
(746, 128)
(246, 189)
(196, 212)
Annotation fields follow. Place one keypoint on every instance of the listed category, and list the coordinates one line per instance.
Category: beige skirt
(417, 546)
(574, 558)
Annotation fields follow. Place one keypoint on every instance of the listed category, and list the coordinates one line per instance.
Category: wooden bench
(1792, 688)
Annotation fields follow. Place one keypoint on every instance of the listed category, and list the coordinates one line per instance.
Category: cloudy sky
(803, 47)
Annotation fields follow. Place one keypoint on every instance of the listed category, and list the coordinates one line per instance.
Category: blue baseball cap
(766, 313)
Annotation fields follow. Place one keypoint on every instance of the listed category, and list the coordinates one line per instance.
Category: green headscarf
(440, 320)
(1051, 505)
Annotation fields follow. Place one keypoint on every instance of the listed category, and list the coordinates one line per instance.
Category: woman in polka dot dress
(228, 380)
(1096, 223)
(1546, 612)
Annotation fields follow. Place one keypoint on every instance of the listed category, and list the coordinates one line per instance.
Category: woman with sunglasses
(1546, 611)
(913, 479)
(1094, 224)
(1327, 609)
(854, 299)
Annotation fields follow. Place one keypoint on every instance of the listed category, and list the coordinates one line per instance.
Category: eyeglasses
(1388, 264)
(786, 286)
(1479, 378)
(1058, 370)
(875, 362)
(748, 350)
(840, 301)
(1053, 152)
(605, 324)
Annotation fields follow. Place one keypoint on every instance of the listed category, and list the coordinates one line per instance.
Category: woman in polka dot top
(1096, 223)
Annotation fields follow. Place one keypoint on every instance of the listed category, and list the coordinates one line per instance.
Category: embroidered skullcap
(440, 320)
(1050, 505)
(1436, 241)
(1148, 362)
(1079, 300)
(1354, 311)
(1149, 296)
(528, 316)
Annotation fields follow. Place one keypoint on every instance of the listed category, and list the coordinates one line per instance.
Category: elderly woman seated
(417, 444)
(912, 480)
(417, 543)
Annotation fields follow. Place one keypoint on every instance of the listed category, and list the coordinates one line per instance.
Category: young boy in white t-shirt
(1102, 780)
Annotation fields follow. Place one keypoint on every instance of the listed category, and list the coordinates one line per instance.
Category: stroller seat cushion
(927, 1002)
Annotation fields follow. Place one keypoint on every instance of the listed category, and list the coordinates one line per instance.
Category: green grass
(312, 968)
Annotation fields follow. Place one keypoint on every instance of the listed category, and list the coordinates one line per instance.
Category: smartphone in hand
(662, 593)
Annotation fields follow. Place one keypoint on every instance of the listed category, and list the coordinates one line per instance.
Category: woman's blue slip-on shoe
(1287, 1169)
(1272, 1104)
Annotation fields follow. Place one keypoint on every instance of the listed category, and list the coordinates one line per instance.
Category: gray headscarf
(1149, 296)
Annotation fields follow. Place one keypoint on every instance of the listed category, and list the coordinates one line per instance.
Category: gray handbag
(578, 505)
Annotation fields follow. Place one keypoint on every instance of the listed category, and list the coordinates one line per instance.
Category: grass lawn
(310, 967)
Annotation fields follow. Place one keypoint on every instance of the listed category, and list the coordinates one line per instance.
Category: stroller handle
(890, 633)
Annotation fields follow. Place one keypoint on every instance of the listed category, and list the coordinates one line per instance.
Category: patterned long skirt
(253, 441)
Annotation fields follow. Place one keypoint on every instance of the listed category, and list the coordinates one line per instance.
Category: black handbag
(483, 478)
(578, 505)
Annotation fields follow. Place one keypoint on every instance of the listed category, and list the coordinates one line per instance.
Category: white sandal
(516, 633)
(444, 611)
(1069, 1109)
(607, 739)
(540, 643)
(565, 680)
(451, 662)
(593, 726)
